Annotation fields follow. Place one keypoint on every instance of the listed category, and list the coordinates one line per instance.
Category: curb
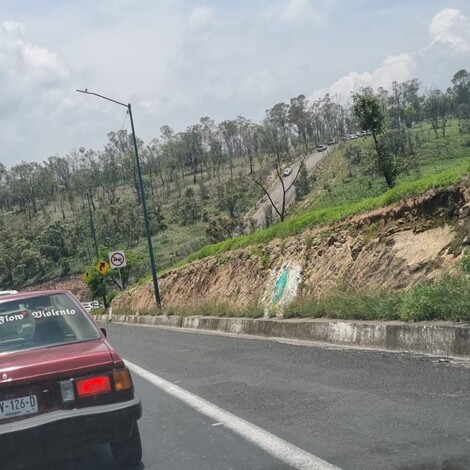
(433, 338)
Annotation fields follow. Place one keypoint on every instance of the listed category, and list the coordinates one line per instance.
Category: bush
(446, 299)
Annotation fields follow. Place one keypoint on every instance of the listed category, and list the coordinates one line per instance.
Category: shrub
(446, 299)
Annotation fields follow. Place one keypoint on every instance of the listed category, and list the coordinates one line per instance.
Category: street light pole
(142, 196)
(92, 224)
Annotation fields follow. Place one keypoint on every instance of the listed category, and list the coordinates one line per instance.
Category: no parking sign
(117, 259)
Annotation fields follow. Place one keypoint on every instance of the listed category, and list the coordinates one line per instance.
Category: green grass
(348, 304)
(334, 186)
(446, 299)
(215, 309)
(320, 217)
(434, 168)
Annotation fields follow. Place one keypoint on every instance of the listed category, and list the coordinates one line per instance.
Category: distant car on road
(287, 171)
(62, 384)
(331, 142)
(8, 292)
(321, 148)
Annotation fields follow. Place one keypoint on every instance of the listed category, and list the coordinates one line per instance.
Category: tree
(370, 116)
(121, 143)
(110, 174)
(461, 87)
(298, 116)
(228, 130)
(302, 187)
(437, 108)
(190, 209)
(222, 227)
(258, 180)
(277, 127)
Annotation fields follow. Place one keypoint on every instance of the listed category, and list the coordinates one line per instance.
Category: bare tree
(280, 211)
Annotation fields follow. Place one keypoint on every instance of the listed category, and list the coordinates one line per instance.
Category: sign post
(117, 260)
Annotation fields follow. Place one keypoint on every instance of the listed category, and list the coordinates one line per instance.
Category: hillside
(397, 246)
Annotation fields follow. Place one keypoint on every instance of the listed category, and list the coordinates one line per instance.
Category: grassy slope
(335, 196)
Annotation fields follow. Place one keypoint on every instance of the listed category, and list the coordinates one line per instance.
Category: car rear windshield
(41, 321)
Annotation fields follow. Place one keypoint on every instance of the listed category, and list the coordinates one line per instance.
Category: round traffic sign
(117, 259)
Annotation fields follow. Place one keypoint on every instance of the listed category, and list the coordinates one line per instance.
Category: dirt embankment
(396, 246)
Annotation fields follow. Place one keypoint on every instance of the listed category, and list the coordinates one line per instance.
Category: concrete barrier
(435, 338)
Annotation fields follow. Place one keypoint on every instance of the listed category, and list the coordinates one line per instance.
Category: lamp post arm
(86, 92)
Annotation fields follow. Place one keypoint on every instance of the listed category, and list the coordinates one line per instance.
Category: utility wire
(125, 118)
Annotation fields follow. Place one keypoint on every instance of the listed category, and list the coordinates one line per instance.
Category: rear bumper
(64, 430)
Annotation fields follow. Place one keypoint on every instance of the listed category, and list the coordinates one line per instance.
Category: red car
(62, 385)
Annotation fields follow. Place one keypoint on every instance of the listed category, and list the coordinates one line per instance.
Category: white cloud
(13, 28)
(433, 64)
(452, 28)
(394, 68)
(178, 60)
(201, 16)
(297, 10)
(23, 62)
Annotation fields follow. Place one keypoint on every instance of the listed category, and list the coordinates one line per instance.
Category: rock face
(396, 247)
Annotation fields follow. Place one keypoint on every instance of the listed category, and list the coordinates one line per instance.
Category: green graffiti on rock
(280, 286)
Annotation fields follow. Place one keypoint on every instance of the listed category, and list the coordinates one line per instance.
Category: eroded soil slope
(396, 246)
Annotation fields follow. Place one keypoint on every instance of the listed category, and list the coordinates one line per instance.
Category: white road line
(278, 448)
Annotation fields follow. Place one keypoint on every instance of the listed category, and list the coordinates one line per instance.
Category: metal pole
(120, 279)
(142, 196)
(92, 225)
(146, 219)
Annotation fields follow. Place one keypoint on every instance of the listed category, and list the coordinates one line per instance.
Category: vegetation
(216, 309)
(202, 182)
(298, 223)
(445, 299)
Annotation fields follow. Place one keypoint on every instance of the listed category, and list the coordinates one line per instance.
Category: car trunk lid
(37, 372)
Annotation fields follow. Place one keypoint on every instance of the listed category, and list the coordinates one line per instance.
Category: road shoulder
(432, 338)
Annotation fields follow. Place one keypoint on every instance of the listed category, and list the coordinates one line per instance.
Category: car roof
(29, 294)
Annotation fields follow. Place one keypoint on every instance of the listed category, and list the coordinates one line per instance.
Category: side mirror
(103, 330)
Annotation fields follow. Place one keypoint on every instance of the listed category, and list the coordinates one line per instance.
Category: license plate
(18, 407)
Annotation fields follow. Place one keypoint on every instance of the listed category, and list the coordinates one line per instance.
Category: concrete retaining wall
(436, 338)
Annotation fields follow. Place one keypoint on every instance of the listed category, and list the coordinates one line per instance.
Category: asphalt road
(276, 190)
(355, 409)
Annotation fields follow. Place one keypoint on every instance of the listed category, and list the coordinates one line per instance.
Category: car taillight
(92, 386)
(122, 380)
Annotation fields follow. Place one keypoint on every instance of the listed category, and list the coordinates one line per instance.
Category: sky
(176, 61)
